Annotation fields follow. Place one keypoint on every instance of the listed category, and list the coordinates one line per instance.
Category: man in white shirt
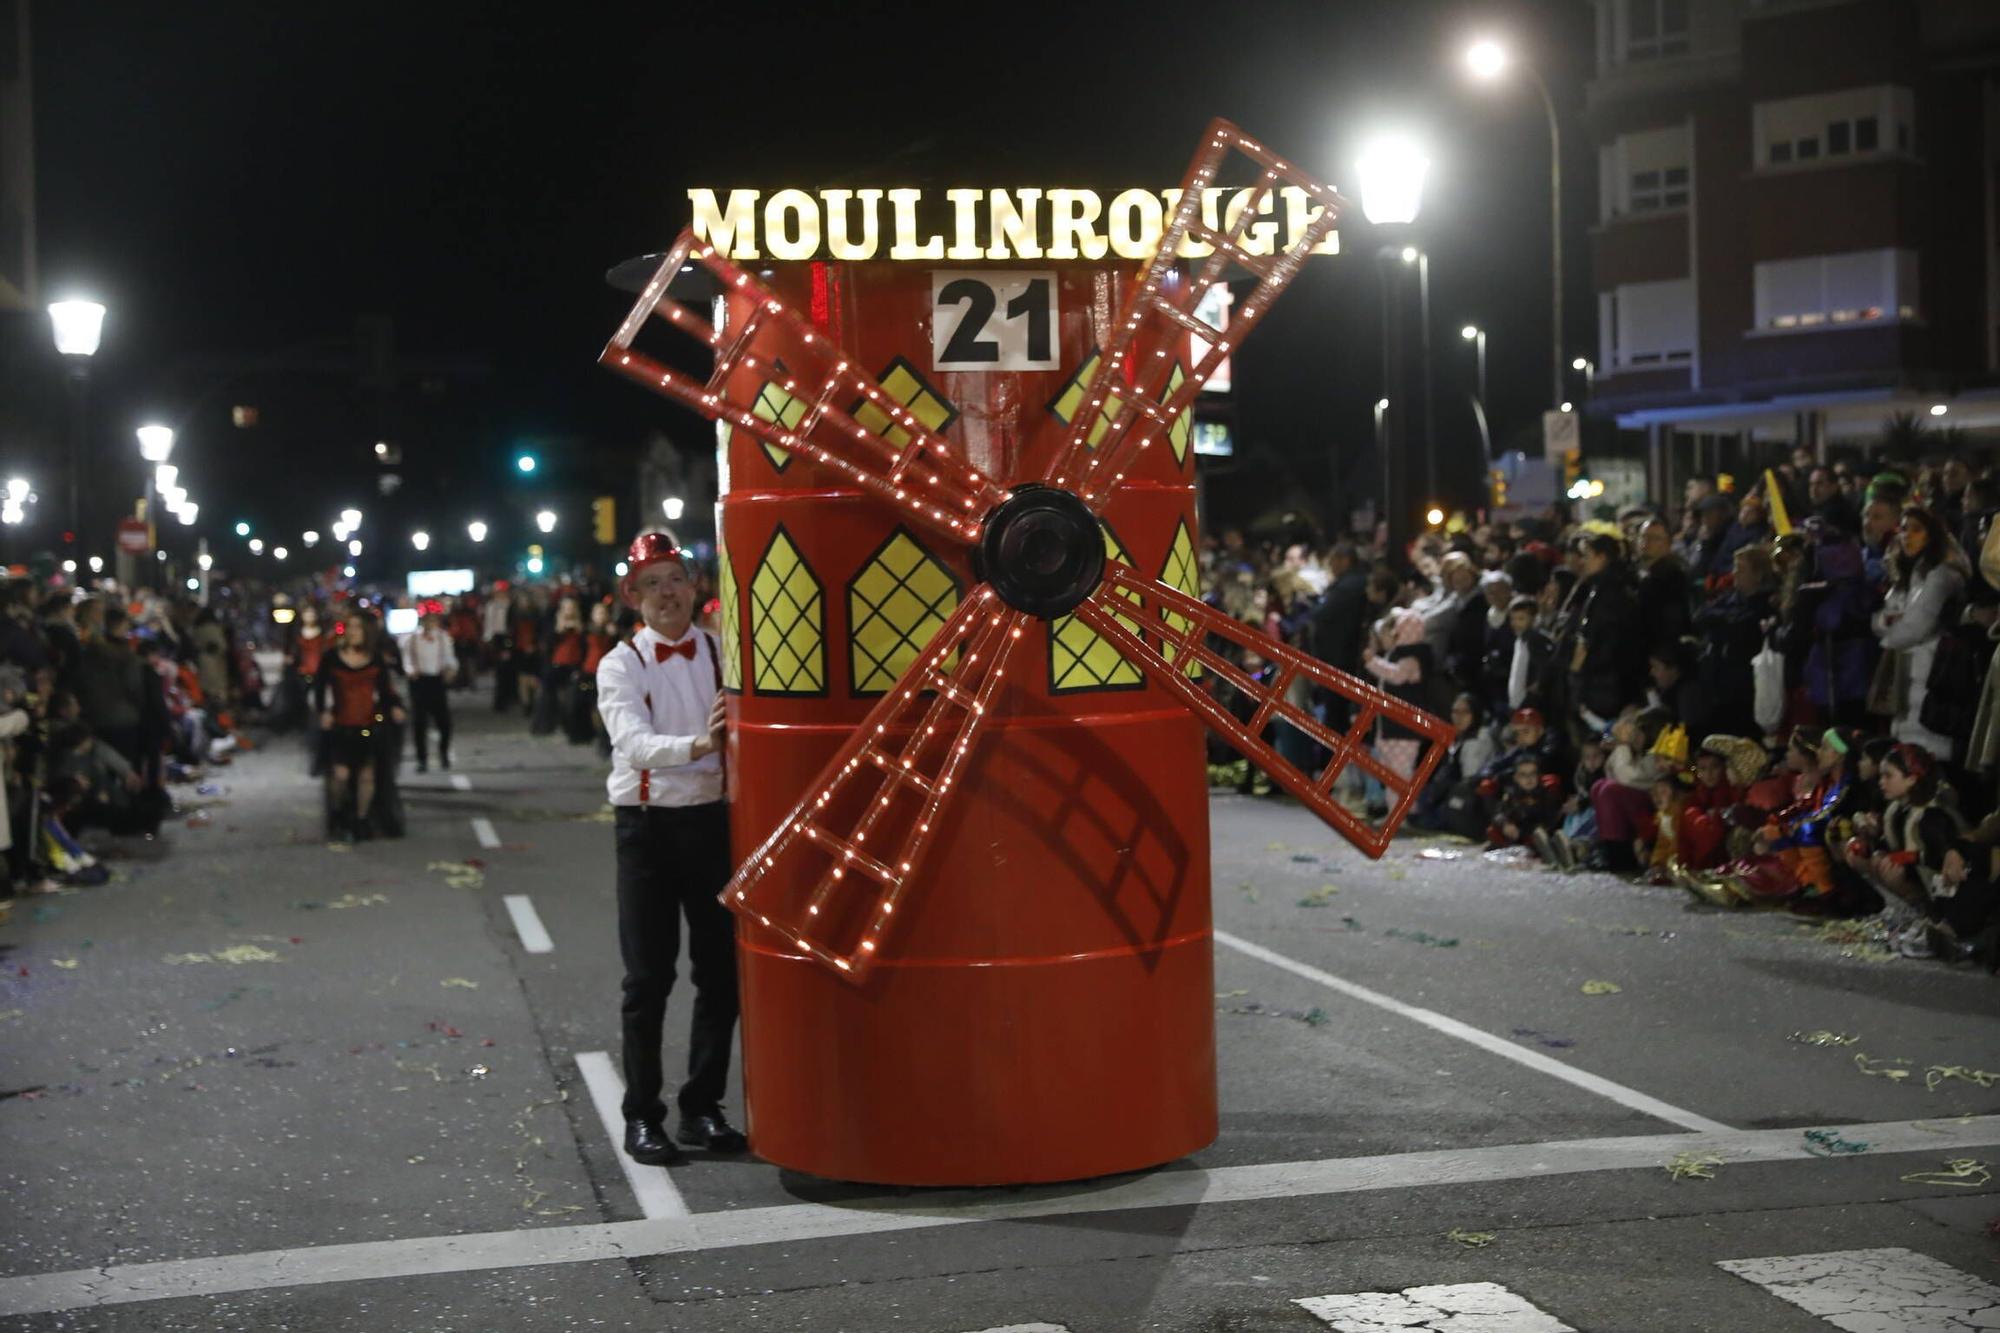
(430, 661)
(663, 708)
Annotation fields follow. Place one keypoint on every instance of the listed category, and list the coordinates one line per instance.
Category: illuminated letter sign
(970, 224)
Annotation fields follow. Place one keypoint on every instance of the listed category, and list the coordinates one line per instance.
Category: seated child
(1529, 806)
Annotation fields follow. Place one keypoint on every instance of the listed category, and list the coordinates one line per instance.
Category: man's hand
(398, 716)
(326, 721)
(718, 729)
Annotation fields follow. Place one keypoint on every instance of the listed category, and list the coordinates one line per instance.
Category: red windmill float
(925, 1003)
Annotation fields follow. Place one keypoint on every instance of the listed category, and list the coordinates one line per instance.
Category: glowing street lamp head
(311, 538)
(351, 517)
(546, 520)
(525, 463)
(1434, 517)
(1580, 363)
(673, 507)
(279, 553)
(1938, 409)
(1486, 60)
(1392, 171)
(164, 477)
(156, 443)
(17, 489)
(1410, 253)
(476, 530)
(256, 546)
(243, 529)
(78, 325)
(421, 540)
(187, 514)
(1469, 332)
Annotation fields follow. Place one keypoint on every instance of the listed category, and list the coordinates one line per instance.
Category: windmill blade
(871, 814)
(1180, 626)
(1134, 372)
(923, 479)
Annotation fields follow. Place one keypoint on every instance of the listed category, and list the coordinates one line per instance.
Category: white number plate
(993, 321)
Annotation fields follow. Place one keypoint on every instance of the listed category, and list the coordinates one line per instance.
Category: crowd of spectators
(109, 701)
(1779, 692)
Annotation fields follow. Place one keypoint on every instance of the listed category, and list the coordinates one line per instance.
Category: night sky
(240, 180)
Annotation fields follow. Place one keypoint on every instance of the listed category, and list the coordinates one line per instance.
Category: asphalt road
(257, 1083)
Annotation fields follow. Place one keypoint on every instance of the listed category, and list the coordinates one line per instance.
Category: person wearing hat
(430, 661)
(661, 699)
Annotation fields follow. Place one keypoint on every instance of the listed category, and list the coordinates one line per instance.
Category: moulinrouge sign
(976, 224)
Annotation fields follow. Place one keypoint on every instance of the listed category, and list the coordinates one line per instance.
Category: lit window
(1857, 288)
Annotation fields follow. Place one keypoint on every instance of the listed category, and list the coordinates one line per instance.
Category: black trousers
(674, 861)
(428, 704)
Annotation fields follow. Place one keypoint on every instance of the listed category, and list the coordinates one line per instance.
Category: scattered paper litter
(1823, 1038)
(460, 983)
(1601, 988)
(1965, 1172)
(1472, 1240)
(1693, 1166)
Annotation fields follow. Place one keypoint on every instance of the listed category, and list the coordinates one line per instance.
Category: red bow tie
(685, 648)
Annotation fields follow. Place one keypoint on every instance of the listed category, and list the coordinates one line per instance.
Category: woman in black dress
(354, 694)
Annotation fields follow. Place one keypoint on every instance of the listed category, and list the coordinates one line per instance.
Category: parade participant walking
(354, 695)
(662, 703)
(430, 661)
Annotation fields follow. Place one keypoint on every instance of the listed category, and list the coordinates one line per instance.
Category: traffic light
(1572, 468)
(604, 520)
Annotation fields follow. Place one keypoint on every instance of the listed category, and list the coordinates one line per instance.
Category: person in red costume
(1790, 855)
(355, 695)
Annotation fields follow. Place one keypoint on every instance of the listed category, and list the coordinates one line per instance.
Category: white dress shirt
(654, 712)
(428, 652)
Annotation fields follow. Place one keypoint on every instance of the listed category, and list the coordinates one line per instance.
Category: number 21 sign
(993, 321)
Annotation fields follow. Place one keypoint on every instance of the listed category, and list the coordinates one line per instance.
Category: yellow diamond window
(1184, 423)
(732, 633)
(1070, 400)
(787, 622)
(901, 597)
(1079, 659)
(779, 405)
(1180, 572)
(902, 383)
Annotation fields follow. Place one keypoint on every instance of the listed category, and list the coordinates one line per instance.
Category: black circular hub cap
(1042, 551)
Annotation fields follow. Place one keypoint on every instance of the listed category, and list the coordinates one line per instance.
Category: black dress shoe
(709, 1130)
(646, 1141)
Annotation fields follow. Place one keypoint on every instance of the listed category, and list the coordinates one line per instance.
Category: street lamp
(187, 514)
(354, 547)
(526, 463)
(311, 539)
(673, 507)
(242, 529)
(421, 540)
(351, 518)
(256, 546)
(156, 443)
(1475, 335)
(279, 553)
(1391, 171)
(78, 328)
(546, 520)
(1487, 60)
(476, 530)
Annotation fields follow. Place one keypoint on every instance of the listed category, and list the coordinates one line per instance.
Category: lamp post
(1391, 172)
(1589, 369)
(1475, 335)
(1487, 60)
(78, 327)
(156, 445)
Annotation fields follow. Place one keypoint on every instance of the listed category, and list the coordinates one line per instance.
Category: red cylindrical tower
(1046, 1011)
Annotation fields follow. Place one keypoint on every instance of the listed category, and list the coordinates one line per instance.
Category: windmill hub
(1042, 551)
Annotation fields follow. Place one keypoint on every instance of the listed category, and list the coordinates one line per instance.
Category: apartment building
(1796, 233)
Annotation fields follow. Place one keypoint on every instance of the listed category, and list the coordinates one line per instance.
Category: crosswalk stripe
(482, 829)
(1485, 1306)
(655, 1190)
(1890, 1290)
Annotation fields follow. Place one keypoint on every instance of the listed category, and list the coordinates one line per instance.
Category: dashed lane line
(528, 923)
(658, 1196)
(1486, 1041)
(1181, 1187)
(482, 829)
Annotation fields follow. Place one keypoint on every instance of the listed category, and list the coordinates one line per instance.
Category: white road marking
(1877, 1291)
(482, 829)
(528, 923)
(1486, 1041)
(1486, 1306)
(788, 1223)
(658, 1195)
(460, 782)
(1027, 1328)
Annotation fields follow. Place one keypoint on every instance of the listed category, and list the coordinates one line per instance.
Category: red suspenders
(715, 663)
